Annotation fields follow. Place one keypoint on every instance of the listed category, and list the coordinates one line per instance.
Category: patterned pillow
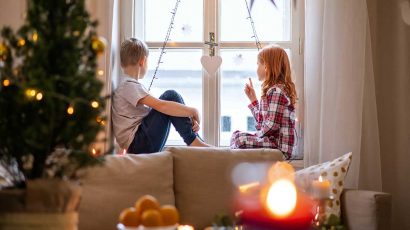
(334, 171)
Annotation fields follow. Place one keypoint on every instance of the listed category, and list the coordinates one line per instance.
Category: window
(220, 98)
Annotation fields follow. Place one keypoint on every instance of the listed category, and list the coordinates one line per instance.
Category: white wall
(12, 13)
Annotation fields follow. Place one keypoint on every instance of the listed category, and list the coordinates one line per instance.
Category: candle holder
(320, 215)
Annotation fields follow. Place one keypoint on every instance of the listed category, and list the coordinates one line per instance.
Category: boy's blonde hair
(132, 50)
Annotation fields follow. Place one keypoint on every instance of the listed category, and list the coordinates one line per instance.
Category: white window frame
(212, 86)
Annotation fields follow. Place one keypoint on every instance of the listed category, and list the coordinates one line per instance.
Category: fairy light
(70, 110)
(39, 96)
(35, 36)
(31, 92)
(100, 72)
(94, 152)
(170, 27)
(21, 42)
(6, 82)
(95, 104)
(255, 36)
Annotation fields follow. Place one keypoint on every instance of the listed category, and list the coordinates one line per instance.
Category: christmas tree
(50, 98)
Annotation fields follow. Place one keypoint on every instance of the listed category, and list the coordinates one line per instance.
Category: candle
(321, 188)
(185, 227)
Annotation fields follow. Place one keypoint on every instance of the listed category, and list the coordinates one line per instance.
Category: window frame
(212, 86)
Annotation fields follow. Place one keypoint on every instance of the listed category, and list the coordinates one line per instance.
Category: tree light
(95, 104)
(6, 82)
(21, 42)
(35, 36)
(39, 96)
(31, 92)
(70, 110)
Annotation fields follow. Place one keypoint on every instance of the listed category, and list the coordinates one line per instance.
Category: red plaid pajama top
(275, 124)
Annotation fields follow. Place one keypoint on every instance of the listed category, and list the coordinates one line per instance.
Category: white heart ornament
(211, 64)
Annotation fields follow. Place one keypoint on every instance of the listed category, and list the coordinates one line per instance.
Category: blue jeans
(154, 129)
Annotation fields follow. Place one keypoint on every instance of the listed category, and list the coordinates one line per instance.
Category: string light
(6, 82)
(100, 72)
(31, 92)
(35, 36)
(94, 152)
(70, 110)
(255, 36)
(174, 12)
(98, 119)
(21, 42)
(95, 104)
(39, 96)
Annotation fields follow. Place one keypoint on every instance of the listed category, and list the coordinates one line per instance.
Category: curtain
(340, 103)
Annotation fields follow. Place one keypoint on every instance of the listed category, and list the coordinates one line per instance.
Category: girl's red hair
(277, 71)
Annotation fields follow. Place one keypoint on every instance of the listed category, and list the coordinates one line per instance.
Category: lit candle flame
(94, 152)
(185, 227)
(281, 198)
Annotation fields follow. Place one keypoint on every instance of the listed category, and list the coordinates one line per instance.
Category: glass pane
(236, 69)
(180, 73)
(271, 23)
(188, 24)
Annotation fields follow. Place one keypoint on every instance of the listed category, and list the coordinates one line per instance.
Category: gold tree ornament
(98, 45)
(4, 51)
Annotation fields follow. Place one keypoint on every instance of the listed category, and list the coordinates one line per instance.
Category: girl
(275, 112)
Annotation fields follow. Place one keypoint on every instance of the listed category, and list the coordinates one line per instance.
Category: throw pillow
(334, 171)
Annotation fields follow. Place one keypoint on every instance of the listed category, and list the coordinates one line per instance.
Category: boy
(141, 122)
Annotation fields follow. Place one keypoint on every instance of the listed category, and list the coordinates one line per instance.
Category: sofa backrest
(109, 189)
(203, 185)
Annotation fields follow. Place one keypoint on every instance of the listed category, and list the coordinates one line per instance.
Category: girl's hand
(250, 91)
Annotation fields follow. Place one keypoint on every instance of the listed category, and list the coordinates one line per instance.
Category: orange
(151, 218)
(129, 217)
(146, 202)
(169, 214)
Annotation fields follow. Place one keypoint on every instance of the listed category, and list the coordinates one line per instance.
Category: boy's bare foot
(198, 143)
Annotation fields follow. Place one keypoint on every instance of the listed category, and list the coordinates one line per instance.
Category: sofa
(198, 181)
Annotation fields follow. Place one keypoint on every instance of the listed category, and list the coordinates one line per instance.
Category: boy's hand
(250, 91)
(195, 115)
(195, 126)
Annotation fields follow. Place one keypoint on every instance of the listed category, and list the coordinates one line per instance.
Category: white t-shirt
(127, 113)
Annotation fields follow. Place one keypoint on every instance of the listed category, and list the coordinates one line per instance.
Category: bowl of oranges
(148, 214)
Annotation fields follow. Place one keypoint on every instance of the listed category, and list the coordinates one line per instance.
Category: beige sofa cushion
(107, 190)
(202, 180)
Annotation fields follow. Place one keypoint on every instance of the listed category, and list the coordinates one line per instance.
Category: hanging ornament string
(170, 27)
(255, 36)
